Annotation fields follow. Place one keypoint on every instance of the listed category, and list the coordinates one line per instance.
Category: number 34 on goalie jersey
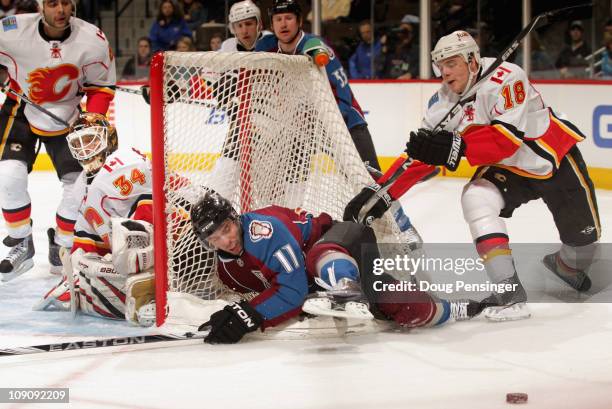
(122, 188)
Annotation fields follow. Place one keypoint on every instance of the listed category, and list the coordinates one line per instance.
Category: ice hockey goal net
(261, 129)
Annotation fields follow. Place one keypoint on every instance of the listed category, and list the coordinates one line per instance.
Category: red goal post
(260, 128)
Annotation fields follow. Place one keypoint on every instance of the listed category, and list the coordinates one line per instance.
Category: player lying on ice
(280, 253)
(112, 251)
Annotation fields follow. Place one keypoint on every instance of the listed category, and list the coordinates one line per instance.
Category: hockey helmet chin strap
(472, 77)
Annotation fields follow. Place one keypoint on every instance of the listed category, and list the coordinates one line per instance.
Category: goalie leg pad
(100, 286)
(140, 299)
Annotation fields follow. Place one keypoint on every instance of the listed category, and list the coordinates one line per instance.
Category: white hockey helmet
(456, 43)
(242, 11)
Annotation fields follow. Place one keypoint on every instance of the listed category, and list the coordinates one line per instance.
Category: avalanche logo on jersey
(260, 229)
(44, 82)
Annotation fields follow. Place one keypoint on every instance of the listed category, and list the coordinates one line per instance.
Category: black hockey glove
(352, 209)
(382, 203)
(436, 148)
(230, 324)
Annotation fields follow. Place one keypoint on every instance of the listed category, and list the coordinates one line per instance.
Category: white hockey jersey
(507, 124)
(231, 44)
(122, 188)
(56, 74)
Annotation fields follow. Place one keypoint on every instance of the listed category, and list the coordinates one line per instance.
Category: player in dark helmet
(213, 218)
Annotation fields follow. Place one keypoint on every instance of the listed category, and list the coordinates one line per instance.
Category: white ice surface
(561, 357)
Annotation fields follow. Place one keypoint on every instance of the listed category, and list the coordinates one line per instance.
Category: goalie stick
(99, 343)
(541, 20)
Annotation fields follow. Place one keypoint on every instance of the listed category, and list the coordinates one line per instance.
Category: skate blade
(25, 266)
(323, 307)
(513, 312)
(56, 270)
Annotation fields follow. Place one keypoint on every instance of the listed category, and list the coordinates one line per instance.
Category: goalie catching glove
(441, 147)
(132, 244)
(230, 324)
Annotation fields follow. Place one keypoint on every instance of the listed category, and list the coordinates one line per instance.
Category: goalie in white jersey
(113, 247)
(54, 59)
(524, 151)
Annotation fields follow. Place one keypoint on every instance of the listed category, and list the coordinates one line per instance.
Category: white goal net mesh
(259, 128)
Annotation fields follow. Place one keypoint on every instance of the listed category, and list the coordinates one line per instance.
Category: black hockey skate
(55, 262)
(576, 279)
(19, 259)
(344, 300)
(509, 305)
(463, 310)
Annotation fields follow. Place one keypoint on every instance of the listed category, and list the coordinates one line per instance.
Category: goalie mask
(208, 214)
(91, 140)
(456, 43)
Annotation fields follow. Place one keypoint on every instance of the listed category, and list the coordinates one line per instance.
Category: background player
(289, 38)
(53, 58)
(278, 252)
(525, 151)
(111, 253)
(246, 25)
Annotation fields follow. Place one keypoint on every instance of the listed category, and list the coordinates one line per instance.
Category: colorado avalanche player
(279, 253)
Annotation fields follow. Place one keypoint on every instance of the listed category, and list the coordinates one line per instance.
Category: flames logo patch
(44, 81)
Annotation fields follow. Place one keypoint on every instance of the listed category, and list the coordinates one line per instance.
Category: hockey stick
(139, 92)
(541, 20)
(36, 106)
(99, 343)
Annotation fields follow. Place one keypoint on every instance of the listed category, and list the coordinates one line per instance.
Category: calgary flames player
(525, 150)
(113, 234)
(54, 59)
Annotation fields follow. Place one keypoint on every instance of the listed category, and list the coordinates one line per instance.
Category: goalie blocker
(119, 285)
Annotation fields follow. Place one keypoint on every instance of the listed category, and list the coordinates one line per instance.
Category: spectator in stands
(571, 61)
(361, 62)
(484, 39)
(215, 42)
(606, 56)
(137, 67)
(194, 13)
(185, 44)
(215, 10)
(168, 27)
(400, 50)
(332, 10)
(7, 8)
(26, 6)
(542, 64)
